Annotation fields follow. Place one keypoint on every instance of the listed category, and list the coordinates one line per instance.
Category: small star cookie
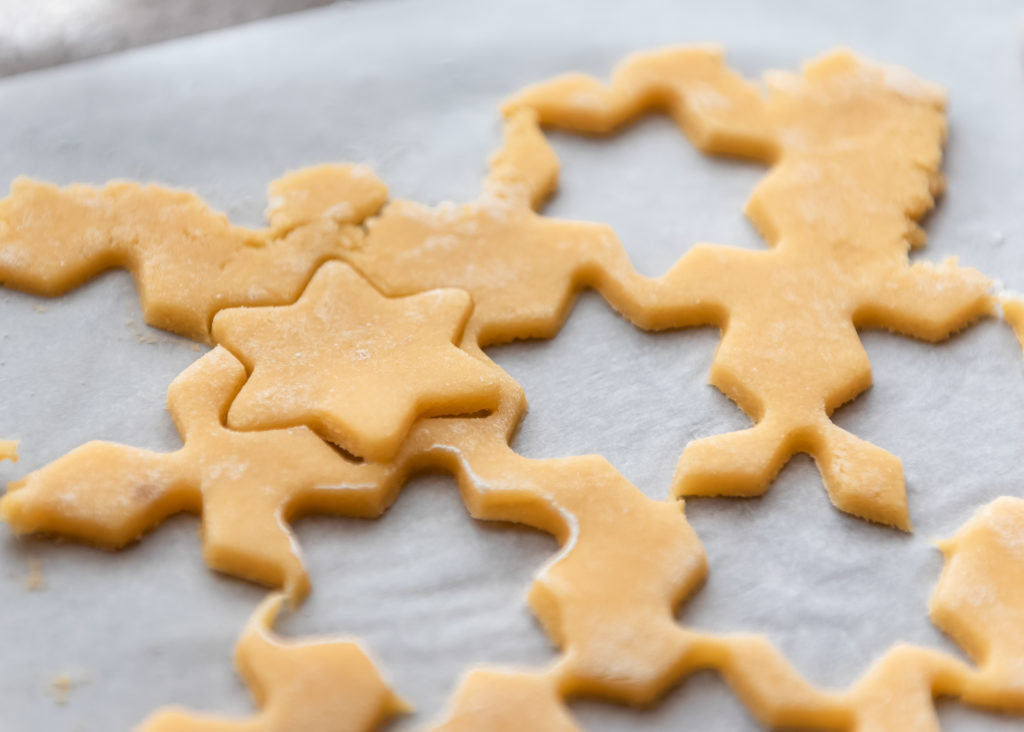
(354, 365)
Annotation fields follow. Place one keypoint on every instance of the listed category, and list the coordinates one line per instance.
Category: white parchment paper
(412, 88)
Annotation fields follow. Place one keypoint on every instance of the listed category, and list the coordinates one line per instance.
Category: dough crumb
(60, 688)
(35, 580)
(8, 448)
(141, 333)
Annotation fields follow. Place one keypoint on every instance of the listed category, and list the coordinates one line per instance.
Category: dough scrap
(109, 494)
(1013, 313)
(187, 260)
(626, 561)
(355, 366)
(522, 270)
(618, 639)
(9, 450)
(247, 485)
(94, 509)
(979, 602)
(322, 685)
(854, 162)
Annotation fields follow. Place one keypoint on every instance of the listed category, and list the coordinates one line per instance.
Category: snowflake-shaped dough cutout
(855, 150)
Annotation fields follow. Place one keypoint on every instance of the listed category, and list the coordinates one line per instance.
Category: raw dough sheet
(412, 90)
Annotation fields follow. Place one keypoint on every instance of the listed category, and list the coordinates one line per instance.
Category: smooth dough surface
(354, 365)
(854, 164)
(1013, 313)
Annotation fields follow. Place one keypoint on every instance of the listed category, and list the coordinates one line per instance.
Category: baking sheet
(412, 89)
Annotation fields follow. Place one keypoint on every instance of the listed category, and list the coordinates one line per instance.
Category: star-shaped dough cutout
(354, 365)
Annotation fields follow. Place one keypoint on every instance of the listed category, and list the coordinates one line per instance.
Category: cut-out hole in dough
(831, 592)
(150, 627)
(932, 406)
(604, 387)
(696, 197)
(445, 594)
(85, 367)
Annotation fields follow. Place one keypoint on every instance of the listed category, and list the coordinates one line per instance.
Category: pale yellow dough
(9, 450)
(247, 484)
(855, 150)
(979, 602)
(354, 365)
(81, 494)
(854, 163)
(609, 598)
(306, 685)
(521, 269)
(188, 261)
(1013, 313)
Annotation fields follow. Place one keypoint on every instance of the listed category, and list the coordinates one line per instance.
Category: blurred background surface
(36, 35)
